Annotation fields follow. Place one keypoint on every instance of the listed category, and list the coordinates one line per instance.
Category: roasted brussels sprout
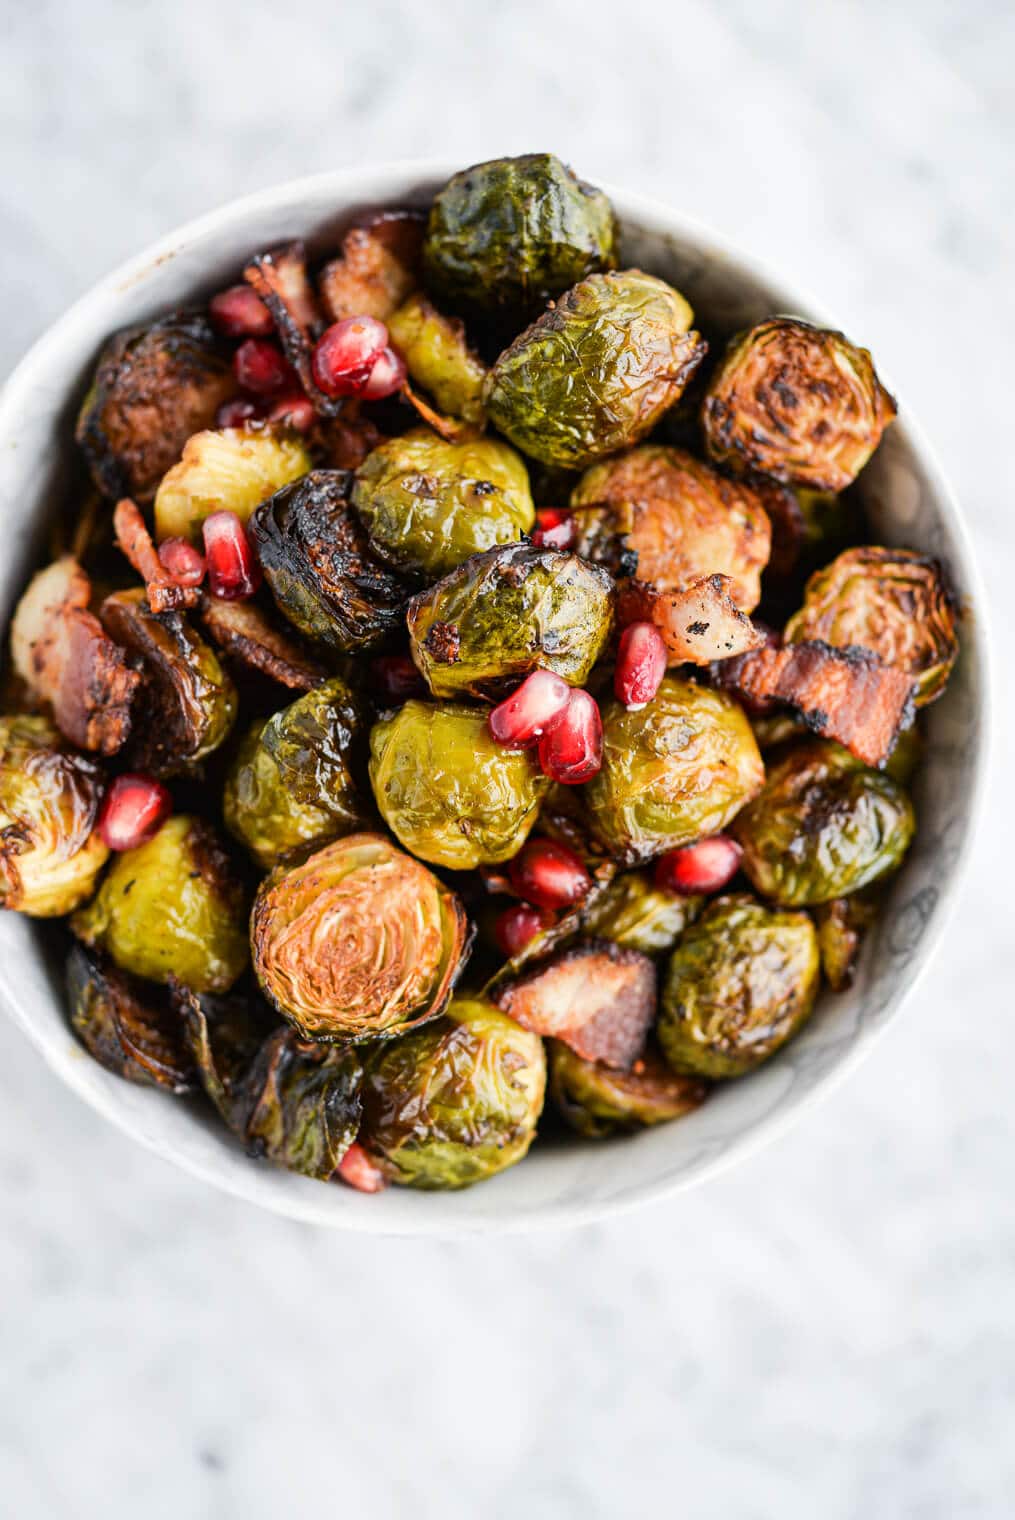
(358, 941)
(672, 772)
(892, 601)
(596, 372)
(428, 504)
(319, 567)
(290, 787)
(50, 853)
(841, 925)
(233, 470)
(126, 1026)
(154, 386)
(823, 826)
(632, 911)
(439, 359)
(741, 981)
(489, 623)
(796, 402)
(597, 1100)
(456, 1102)
(665, 517)
(447, 790)
(505, 236)
(171, 908)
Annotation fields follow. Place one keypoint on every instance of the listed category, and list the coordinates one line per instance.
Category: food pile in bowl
(464, 700)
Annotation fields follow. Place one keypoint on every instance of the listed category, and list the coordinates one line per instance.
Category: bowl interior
(907, 502)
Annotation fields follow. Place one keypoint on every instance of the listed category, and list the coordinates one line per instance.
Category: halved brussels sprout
(187, 703)
(50, 853)
(665, 517)
(484, 627)
(127, 1027)
(171, 908)
(319, 567)
(439, 359)
(290, 787)
(796, 402)
(447, 790)
(505, 236)
(155, 385)
(672, 772)
(456, 1102)
(741, 981)
(598, 1101)
(892, 601)
(824, 826)
(231, 470)
(359, 940)
(597, 371)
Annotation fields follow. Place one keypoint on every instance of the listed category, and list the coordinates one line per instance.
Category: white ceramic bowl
(909, 503)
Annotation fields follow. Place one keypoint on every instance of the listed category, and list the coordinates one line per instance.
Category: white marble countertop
(829, 1329)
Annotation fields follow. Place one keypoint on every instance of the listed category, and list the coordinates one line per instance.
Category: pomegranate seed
(548, 874)
(346, 353)
(705, 866)
(239, 313)
(530, 711)
(134, 809)
(386, 377)
(236, 412)
(517, 925)
(261, 367)
(359, 1172)
(185, 563)
(641, 665)
(296, 411)
(233, 571)
(572, 751)
(555, 528)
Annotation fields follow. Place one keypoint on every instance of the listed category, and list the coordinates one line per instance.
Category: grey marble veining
(830, 1328)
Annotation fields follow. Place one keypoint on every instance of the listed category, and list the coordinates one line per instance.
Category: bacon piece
(347, 440)
(165, 593)
(280, 278)
(699, 624)
(376, 271)
(244, 631)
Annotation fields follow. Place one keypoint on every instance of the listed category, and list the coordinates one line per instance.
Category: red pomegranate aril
(386, 377)
(237, 411)
(233, 571)
(240, 313)
(346, 353)
(397, 678)
(548, 874)
(261, 367)
(530, 711)
(706, 866)
(357, 1171)
(517, 925)
(296, 411)
(184, 563)
(572, 751)
(555, 528)
(641, 665)
(134, 809)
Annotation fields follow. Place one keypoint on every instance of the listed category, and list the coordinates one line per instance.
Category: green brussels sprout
(631, 910)
(428, 504)
(841, 925)
(439, 359)
(796, 402)
(674, 771)
(50, 852)
(126, 1026)
(357, 941)
(290, 787)
(823, 826)
(456, 1102)
(596, 372)
(505, 236)
(231, 470)
(155, 385)
(186, 705)
(892, 601)
(740, 983)
(171, 908)
(598, 1101)
(502, 614)
(447, 790)
(319, 568)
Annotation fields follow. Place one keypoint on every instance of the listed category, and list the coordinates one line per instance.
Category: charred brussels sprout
(505, 236)
(597, 1101)
(291, 787)
(171, 908)
(128, 1027)
(796, 402)
(439, 359)
(319, 567)
(892, 601)
(741, 981)
(50, 854)
(154, 386)
(428, 504)
(359, 940)
(455, 1102)
(823, 826)
(447, 790)
(489, 623)
(673, 772)
(233, 470)
(632, 911)
(596, 372)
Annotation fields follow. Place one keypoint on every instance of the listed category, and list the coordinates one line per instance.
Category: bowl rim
(354, 184)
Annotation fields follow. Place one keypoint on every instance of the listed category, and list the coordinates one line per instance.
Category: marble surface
(830, 1328)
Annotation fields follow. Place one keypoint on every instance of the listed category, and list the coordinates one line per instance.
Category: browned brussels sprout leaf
(245, 632)
(700, 624)
(841, 925)
(280, 279)
(377, 267)
(126, 1025)
(165, 593)
(597, 1101)
(439, 359)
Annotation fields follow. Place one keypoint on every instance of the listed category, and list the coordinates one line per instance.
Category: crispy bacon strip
(280, 278)
(165, 592)
(376, 270)
(699, 624)
(243, 630)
